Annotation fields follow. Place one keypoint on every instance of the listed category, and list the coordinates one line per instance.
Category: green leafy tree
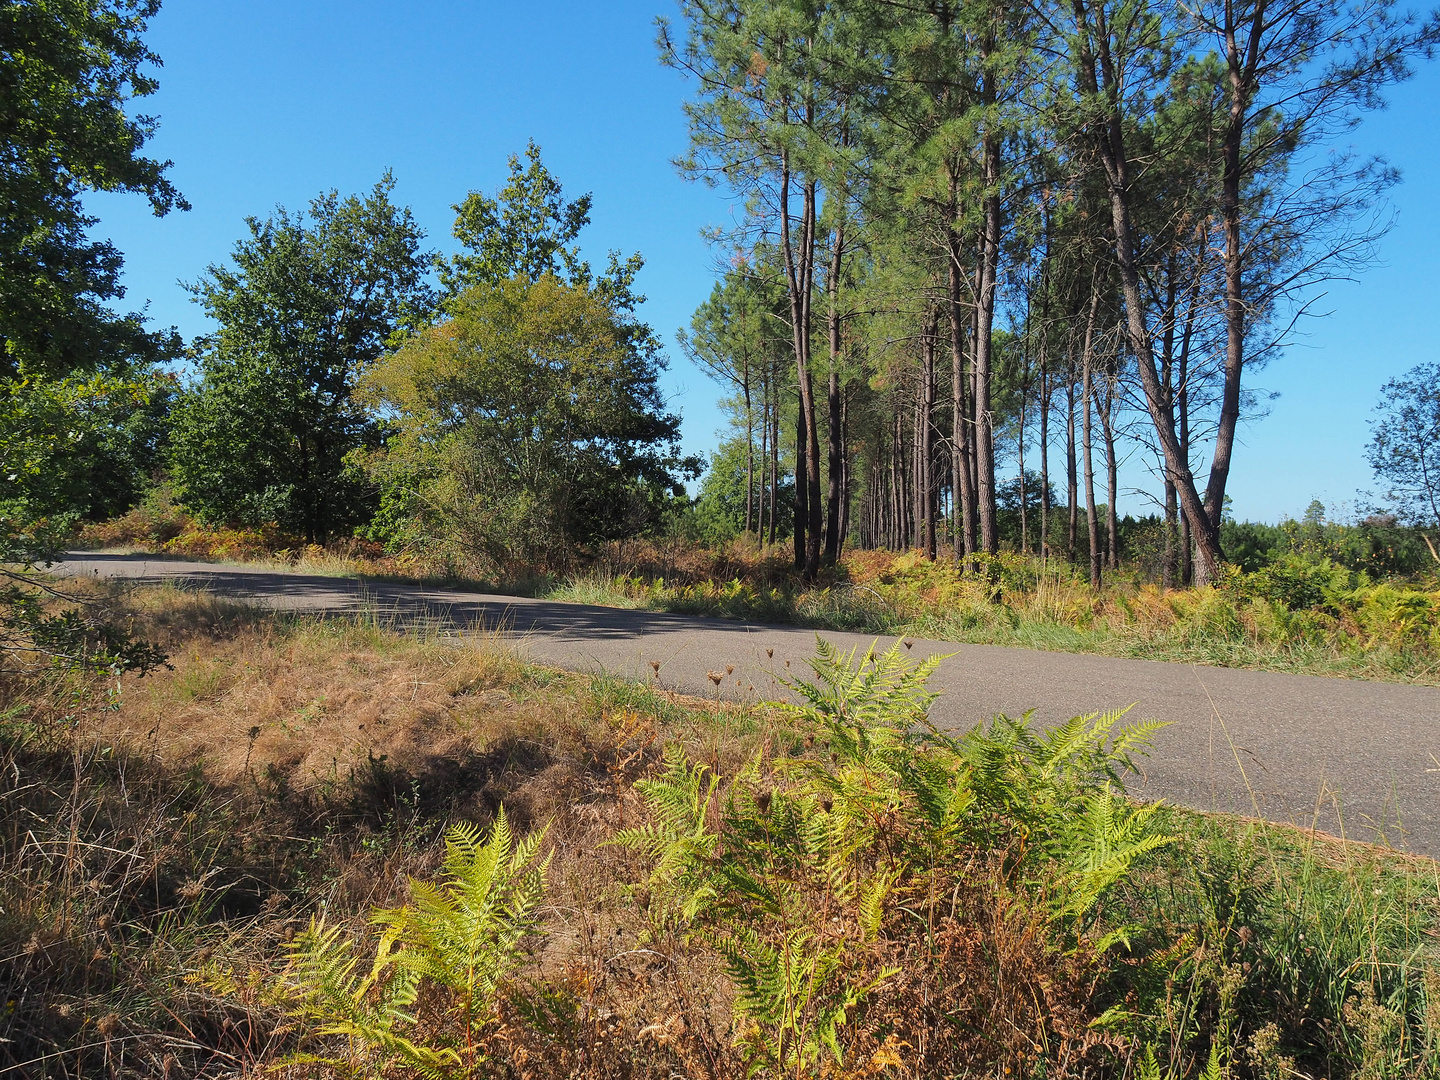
(528, 228)
(1404, 445)
(527, 423)
(720, 511)
(49, 430)
(70, 73)
(306, 306)
(79, 447)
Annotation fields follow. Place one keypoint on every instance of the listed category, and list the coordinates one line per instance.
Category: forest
(994, 271)
(992, 257)
(998, 273)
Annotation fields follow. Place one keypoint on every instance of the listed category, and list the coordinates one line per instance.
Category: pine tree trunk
(1112, 475)
(802, 489)
(1071, 477)
(1092, 521)
(927, 437)
(1044, 441)
(960, 429)
(985, 321)
(835, 440)
(1093, 56)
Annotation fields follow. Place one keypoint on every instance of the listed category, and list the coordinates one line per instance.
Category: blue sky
(264, 103)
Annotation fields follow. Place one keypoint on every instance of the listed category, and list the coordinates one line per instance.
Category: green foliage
(307, 305)
(528, 230)
(807, 865)
(73, 71)
(1379, 545)
(529, 422)
(49, 432)
(1300, 583)
(461, 938)
(718, 514)
(1404, 445)
(79, 447)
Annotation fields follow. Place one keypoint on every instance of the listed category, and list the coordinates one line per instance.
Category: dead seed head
(729, 669)
(714, 677)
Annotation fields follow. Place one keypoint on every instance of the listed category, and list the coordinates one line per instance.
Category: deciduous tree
(307, 304)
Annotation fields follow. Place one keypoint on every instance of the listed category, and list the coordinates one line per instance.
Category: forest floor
(170, 834)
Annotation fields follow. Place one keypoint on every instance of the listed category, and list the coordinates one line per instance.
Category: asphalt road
(1349, 757)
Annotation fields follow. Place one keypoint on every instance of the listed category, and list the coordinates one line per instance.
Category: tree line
(979, 229)
(499, 405)
(974, 235)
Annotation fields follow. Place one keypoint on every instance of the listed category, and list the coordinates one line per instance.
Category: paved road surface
(1351, 757)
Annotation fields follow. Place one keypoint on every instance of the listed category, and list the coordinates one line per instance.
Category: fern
(462, 934)
(790, 874)
(322, 985)
(1101, 844)
(857, 697)
(793, 996)
(678, 841)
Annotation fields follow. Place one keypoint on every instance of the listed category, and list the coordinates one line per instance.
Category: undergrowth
(342, 847)
(1300, 613)
(1298, 616)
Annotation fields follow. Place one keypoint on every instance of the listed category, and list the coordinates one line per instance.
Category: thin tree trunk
(1045, 392)
(774, 463)
(1242, 58)
(1172, 538)
(845, 480)
(835, 439)
(984, 324)
(1072, 479)
(764, 459)
(749, 447)
(1110, 145)
(927, 438)
(800, 274)
(1092, 521)
(960, 429)
(1112, 475)
(802, 489)
(1024, 398)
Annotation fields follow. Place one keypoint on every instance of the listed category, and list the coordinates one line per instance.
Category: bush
(1301, 583)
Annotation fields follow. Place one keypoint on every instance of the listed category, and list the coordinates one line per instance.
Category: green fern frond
(678, 842)
(1103, 844)
(871, 910)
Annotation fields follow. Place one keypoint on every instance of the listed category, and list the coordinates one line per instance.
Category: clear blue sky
(263, 103)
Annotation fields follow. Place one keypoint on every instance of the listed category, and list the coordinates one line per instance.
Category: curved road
(1354, 758)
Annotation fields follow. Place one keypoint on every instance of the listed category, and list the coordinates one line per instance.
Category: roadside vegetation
(238, 843)
(1360, 601)
(348, 847)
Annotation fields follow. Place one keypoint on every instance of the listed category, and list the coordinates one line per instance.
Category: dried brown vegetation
(168, 836)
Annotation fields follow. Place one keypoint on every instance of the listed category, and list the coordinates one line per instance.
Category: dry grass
(284, 766)
(163, 831)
